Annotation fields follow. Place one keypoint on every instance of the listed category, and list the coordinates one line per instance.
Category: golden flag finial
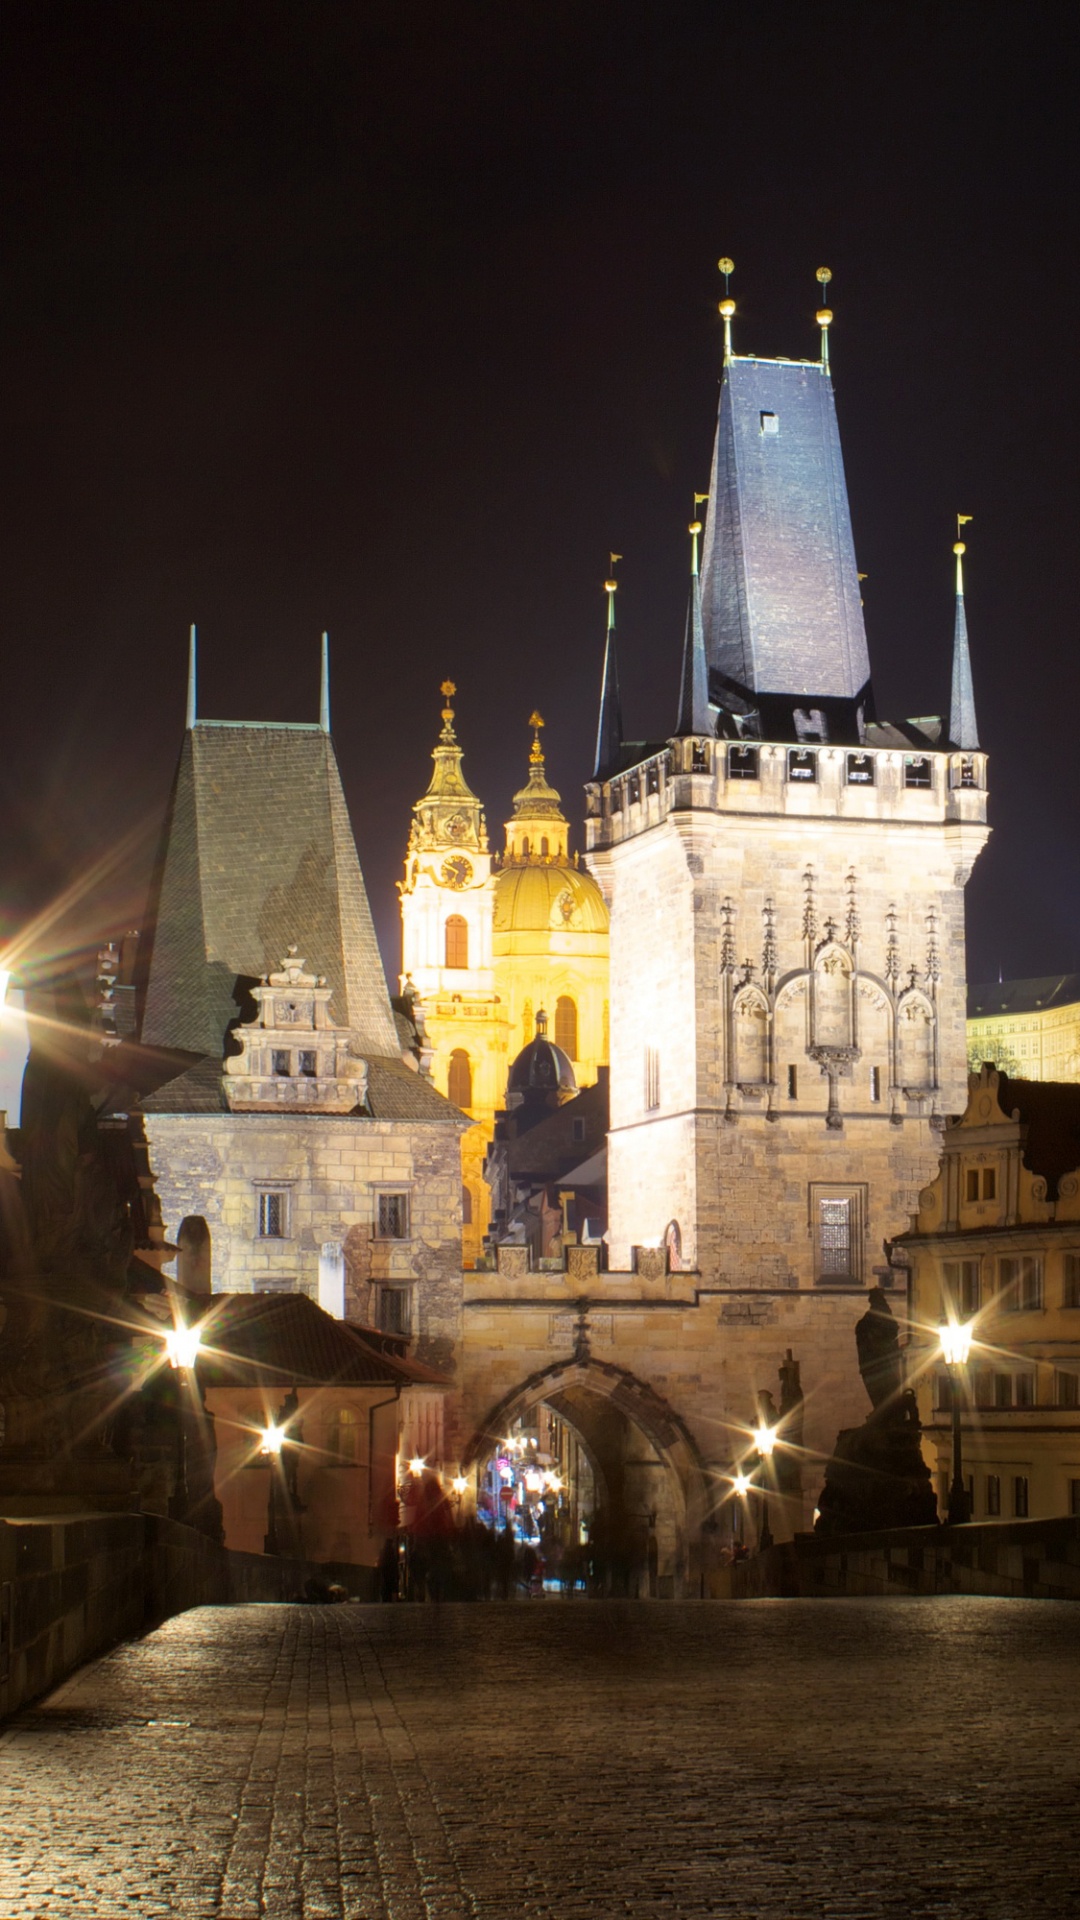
(536, 757)
(959, 548)
(447, 690)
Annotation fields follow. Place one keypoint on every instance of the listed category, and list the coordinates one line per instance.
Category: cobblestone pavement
(769, 1760)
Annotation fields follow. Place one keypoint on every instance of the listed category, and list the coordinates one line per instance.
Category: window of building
(1071, 1291)
(652, 778)
(1003, 1390)
(943, 1392)
(457, 937)
(566, 1025)
(962, 1287)
(343, 1434)
(989, 1183)
(836, 1218)
(578, 1131)
(392, 1219)
(273, 1214)
(971, 1184)
(459, 1078)
(281, 1062)
(982, 1386)
(1020, 1282)
(309, 1064)
(967, 773)
(875, 1084)
(793, 1083)
(1074, 1496)
(1068, 1389)
(393, 1310)
(633, 789)
(801, 764)
(466, 1205)
(860, 770)
(993, 1494)
(1024, 1389)
(918, 771)
(742, 763)
(1020, 1496)
(652, 1079)
(770, 423)
(699, 759)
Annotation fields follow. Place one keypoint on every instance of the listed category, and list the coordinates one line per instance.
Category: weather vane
(727, 304)
(824, 315)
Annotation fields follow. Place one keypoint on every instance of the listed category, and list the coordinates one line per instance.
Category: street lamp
(955, 1337)
(182, 1349)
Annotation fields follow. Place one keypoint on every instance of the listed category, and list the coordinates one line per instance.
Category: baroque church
(490, 942)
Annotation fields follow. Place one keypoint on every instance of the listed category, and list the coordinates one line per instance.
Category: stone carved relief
(292, 1057)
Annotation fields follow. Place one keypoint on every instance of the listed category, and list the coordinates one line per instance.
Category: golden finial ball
(725, 265)
(824, 317)
(727, 308)
(694, 527)
(610, 586)
(959, 547)
(824, 274)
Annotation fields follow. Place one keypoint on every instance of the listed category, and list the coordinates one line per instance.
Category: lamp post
(183, 1346)
(955, 1337)
(742, 1484)
(765, 1436)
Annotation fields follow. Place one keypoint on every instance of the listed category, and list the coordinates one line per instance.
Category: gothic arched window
(457, 941)
(566, 1025)
(459, 1083)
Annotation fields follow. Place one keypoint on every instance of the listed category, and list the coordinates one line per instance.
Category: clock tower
(447, 911)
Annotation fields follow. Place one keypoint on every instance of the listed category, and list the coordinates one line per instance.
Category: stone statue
(877, 1340)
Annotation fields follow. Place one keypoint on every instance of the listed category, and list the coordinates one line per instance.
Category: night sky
(395, 319)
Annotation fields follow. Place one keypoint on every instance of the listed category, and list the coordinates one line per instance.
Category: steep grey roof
(257, 855)
(963, 731)
(395, 1092)
(996, 997)
(780, 589)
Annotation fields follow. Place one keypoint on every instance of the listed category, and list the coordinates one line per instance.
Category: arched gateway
(647, 1479)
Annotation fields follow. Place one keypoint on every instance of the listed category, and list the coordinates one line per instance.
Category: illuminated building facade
(1028, 1028)
(996, 1243)
(490, 942)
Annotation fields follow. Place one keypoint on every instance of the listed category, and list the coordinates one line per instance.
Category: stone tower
(785, 879)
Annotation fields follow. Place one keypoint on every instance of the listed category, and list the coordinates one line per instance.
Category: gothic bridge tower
(785, 878)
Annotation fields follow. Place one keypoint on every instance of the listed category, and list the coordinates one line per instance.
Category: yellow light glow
(459, 1484)
(416, 1466)
(183, 1346)
(273, 1439)
(765, 1440)
(741, 1484)
(955, 1337)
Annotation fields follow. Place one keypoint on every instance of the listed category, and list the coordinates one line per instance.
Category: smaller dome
(541, 1069)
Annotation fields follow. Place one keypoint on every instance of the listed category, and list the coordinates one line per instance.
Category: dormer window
(770, 423)
(281, 1063)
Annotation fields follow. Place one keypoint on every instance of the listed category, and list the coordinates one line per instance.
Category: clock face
(456, 872)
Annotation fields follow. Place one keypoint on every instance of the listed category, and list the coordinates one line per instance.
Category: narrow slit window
(875, 1084)
(793, 1083)
(770, 424)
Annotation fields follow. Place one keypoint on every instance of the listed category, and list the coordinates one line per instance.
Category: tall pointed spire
(449, 813)
(963, 732)
(609, 731)
(191, 679)
(694, 691)
(324, 685)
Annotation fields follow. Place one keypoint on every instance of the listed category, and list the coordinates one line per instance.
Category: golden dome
(544, 899)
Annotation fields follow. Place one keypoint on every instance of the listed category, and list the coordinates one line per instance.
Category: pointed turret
(694, 715)
(449, 814)
(609, 731)
(963, 732)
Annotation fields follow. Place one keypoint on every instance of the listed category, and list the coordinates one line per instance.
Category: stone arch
(610, 1408)
(750, 1016)
(833, 981)
(915, 1042)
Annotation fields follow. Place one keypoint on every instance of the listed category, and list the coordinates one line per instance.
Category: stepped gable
(257, 854)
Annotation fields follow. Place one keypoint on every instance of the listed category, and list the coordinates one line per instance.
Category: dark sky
(395, 319)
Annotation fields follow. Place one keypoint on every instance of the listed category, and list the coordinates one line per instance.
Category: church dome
(543, 899)
(541, 1068)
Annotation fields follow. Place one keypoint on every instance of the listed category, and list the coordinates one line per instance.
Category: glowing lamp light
(534, 1482)
(765, 1440)
(955, 1340)
(183, 1346)
(742, 1484)
(459, 1484)
(273, 1439)
(416, 1466)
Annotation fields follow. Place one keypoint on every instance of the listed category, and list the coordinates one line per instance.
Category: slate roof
(780, 588)
(257, 855)
(284, 1339)
(1023, 996)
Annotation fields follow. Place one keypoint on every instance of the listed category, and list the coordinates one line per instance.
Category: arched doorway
(632, 1487)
